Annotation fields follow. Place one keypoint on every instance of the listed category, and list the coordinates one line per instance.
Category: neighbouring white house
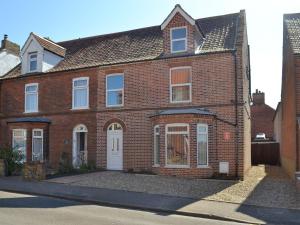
(9, 55)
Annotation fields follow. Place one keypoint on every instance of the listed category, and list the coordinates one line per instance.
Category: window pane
(114, 98)
(37, 148)
(178, 128)
(115, 82)
(202, 129)
(37, 133)
(33, 65)
(19, 142)
(177, 149)
(156, 148)
(180, 76)
(31, 102)
(178, 45)
(202, 149)
(33, 56)
(80, 98)
(31, 88)
(80, 83)
(178, 33)
(181, 93)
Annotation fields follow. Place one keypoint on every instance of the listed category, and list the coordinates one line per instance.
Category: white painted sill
(177, 166)
(204, 167)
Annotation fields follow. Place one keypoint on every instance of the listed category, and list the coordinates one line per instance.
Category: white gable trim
(28, 42)
(177, 9)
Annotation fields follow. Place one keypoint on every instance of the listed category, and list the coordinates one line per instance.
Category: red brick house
(290, 95)
(261, 116)
(172, 99)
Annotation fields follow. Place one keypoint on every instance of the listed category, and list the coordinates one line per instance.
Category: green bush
(13, 160)
(65, 164)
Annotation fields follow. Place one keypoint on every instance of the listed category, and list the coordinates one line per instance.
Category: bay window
(19, 142)
(177, 145)
(180, 84)
(156, 145)
(80, 93)
(37, 144)
(202, 144)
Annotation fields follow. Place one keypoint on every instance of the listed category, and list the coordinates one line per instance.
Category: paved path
(154, 202)
(33, 210)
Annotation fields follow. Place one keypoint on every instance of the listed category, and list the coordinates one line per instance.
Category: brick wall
(146, 90)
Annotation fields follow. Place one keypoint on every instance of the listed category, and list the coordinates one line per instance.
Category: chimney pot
(5, 36)
(258, 97)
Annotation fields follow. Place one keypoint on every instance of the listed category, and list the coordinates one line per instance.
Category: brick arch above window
(114, 120)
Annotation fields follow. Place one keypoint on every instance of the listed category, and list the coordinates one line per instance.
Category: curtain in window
(37, 148)
(177, 149)
(180, 76)
(80, 97)
(31, 102)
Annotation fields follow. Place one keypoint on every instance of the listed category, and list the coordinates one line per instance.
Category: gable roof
(292, 25)
(138, 45)
(50, 45)
(177, 9)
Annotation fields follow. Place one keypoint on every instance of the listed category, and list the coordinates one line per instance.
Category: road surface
(36, 210)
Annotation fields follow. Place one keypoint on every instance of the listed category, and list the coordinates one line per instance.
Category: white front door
(114, 149)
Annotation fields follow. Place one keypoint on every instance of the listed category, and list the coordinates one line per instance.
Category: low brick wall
(2, 168)
(34, 171)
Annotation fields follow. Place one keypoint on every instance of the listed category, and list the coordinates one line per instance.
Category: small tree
(13, 160)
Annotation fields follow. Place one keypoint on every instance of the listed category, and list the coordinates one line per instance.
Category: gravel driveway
(264, 186)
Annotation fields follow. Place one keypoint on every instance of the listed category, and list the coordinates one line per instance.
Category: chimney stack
(9, 46)
(258, 97)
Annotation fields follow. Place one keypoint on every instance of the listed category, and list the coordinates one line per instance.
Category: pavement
(36, 210)
(156, 203)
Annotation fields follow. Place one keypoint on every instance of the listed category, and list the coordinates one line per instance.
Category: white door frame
(78, 129)
(113, 132)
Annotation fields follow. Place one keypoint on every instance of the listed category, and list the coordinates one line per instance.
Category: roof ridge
(212, 17)
(52, 42)
(109, 34)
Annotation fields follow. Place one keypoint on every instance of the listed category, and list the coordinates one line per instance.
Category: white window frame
(180, 85)
(32, 92)
(25, 139)
(111, 90)
(42, 137)
(29, 61)
(166, 143)
(206, 133)
(178, 39)
(155, 133)
(81, 87)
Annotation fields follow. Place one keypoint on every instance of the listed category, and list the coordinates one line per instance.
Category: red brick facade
(261, 117)
(219, 84)
(290, 101)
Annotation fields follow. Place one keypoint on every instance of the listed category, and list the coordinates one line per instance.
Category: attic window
(32, 62)
(178, 39)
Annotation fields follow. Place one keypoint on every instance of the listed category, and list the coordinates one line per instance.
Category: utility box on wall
(224, 167)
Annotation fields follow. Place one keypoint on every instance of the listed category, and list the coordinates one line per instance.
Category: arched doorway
(79, 152)
(115, 147)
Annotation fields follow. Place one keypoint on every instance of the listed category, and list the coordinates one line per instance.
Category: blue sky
(65, 19)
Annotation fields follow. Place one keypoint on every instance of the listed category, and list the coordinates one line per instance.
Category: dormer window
(178, 39)
(32, 62)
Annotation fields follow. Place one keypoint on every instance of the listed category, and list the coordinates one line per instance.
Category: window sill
(86, 108)
(114, 106)
(178, 102)
(156, 165)
(204, 167)
(177, 166)
(31, 112)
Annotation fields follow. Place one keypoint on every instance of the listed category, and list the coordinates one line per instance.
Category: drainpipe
(236, 114)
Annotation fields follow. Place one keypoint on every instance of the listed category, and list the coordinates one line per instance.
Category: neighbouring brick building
(172, 99)
(261, 116)
(290, 95)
